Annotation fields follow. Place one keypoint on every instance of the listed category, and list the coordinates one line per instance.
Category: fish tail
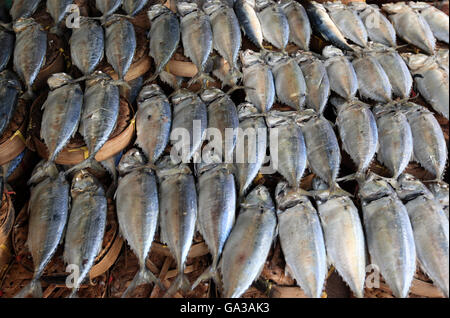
(210, 273)
(121, 82)
(152, 78)
(83, 165)
(359, 176)
(56, 29)
(34, 289)
(201, 77)
(144, 276)
(335, 189)
(181, 282)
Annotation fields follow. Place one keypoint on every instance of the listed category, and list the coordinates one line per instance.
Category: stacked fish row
(155, 188)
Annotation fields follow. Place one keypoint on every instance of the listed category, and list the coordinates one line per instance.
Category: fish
(250, 155)
(431, 79)
(395, 68)
(58, 9)
(216, 211)
(373, 82)
(341, 74)
(196, 37)
(137, 206)
(133, 7)
(411, 26)
(436, 19)
(348, 22)
(440, 191)
(324, 156)
(10, 89)
(395, 139)
(429, 145)
(316, 79)
(48, 209)
(324, 25)
(249, 21)
(87, 220)
(344, 238)
(442, 58)
(190, 120)
(389, 234)
(164, 36)
(22, 9)
(153, 122)
(223, 122)
(226, 33)
(29, 52)
(358, 132)
(178, 215)
(249, 243)
(7, 39)
(87, 45)
(108, 7)
(299, 25)
(291, 154)
(378, 27)
(62, 113)
(290, 85)
(120, 44)
(430, 229)
(301, 239)
(258, 81)
(274, 23)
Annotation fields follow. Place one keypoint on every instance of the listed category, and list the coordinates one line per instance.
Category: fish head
(440, 191)
(114, 18)
(42, 171)
(278, 118)
(184, 8)
(374, 188)
(58, 80)
(181, 95)
(22, 23)
(262, 4)
(416, 61)
(274, 58)
(210, 159)
(149, 91)
(259, 198)
(330, 51)
(211, 6)
(408, 187)
(358, 5)
(287, 197)
(249, 57)
(211, 94)
(246, 110)
(396, 7)
(132, 159)
(420, 5)
(167, 167)
(156, 11)
(97, 78)
(83, 181)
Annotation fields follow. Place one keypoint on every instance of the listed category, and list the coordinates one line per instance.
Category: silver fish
(395, 138)
(120, 44)
(440, 192)
(10, 88)
(249, 155)
(358, 131)
(137, 207)
(316, 79)
(344, 238)
(23, 8)
(378, 27)
(442, 58)
(290, 85)
(58, 9)
(322, 23)
(87, 221)
(431, 79)
(291, 152)
(223, 118)
(258, 80)
(133, 7)
(108, 7)
(249, 21)
(87, 45)
(348, 22)
(274, 23)
(430, 148)
(299, 26)
(341, 74)
(395, 68)
(436, 19)
(301, 239)
(389, 234)
(164, 36)
(29, 52)
(411, 26)
(48, 208)
(373, 82)
(178, 215)
(216, 211)
(197, 38)
(153, 122)
(249, 243)
(7, 39)
(430, 228)
(190, 120)
(226, 32)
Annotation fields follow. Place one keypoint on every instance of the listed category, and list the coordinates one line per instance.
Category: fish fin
(144, 276)
(34, 289)
(209, 273)
(181, 282)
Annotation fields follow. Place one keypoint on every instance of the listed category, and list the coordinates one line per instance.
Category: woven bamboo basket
(6, 224)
